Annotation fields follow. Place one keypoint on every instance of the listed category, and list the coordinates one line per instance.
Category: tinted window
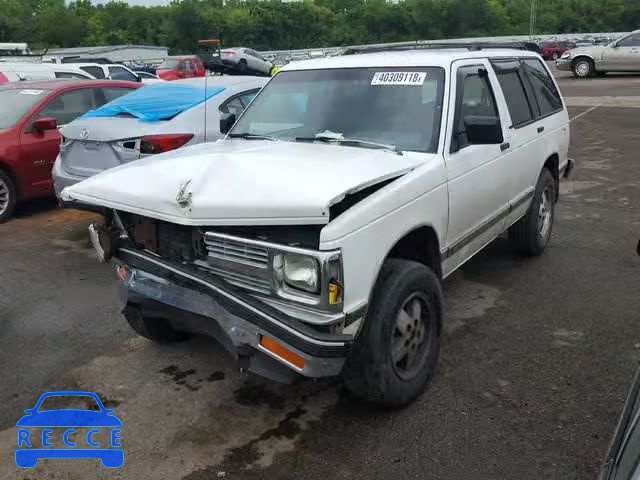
(543, 87)
(111, 93)
(513, 87)
(70, 75)
(630, 41)
(70, 105)
(233, 106)
(95, 71)
(474, 98)
(119, 73)
(16, 103)
(399, 106)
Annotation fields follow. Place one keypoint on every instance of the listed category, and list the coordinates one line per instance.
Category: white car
(126, 133)
(245, 59)
(112, 71)
(41, 71)
(314, 239)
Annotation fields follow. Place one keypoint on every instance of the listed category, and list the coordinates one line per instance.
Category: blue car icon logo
(69, 433)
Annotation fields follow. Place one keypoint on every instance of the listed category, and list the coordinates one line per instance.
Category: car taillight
(163, 143)
(229, 52)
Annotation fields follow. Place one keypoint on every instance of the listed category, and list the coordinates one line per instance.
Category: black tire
(371, 373)
(8, 196)
(242, 65)
(527, 234)
(583, 67)
(155, 329)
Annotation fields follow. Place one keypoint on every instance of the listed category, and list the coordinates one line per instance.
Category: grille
(244, 280)
(232, 251)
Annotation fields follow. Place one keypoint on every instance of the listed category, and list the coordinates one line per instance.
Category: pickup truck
(314, 238)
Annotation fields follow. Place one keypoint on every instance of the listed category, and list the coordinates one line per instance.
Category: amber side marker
(279, 351)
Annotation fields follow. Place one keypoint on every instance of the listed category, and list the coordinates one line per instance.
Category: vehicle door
(537, 120)
(93, 70)
(625, 55)
(253, 61)
(40, 149)
(478, 172)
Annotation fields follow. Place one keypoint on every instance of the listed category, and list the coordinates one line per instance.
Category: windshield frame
(46, 92)
(439, 125)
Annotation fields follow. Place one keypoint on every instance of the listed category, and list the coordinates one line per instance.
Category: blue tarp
(156, 102)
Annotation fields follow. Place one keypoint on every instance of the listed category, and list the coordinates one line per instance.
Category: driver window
(630, 41)
(474, 98)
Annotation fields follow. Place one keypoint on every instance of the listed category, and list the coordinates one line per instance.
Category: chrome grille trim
(250, 282)
(226, 249)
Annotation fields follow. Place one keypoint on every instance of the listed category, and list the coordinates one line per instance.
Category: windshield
(393, 106)
(16, 103)
(169, 63)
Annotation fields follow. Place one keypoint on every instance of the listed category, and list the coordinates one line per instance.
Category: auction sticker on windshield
(398, 78)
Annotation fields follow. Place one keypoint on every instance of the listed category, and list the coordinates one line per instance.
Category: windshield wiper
(350, 141)
(251, 136)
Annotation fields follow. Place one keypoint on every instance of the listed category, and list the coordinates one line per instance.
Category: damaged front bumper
(193, 302)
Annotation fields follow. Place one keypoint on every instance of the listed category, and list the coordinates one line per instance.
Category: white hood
(242, 182)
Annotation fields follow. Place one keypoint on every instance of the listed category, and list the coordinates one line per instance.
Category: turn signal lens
(152, 144)
(335, 293)
(281, 352)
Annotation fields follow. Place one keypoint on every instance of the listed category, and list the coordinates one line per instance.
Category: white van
(41, 71)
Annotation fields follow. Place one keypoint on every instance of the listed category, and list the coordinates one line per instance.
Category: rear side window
(544, 89)
(71, 75)
(119, 73)
(94, 71)
(111, 93)
(70, 105)
(233, 106)
(513, 87)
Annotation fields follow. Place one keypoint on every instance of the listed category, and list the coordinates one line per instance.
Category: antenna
(206, 79)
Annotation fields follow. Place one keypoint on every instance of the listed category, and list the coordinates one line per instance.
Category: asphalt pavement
(536, 360)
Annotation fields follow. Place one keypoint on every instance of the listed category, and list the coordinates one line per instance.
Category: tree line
(275, 25)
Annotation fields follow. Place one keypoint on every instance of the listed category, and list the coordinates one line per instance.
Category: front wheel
(156, 329)
(530, 235)
(395, 355)
(583, 68)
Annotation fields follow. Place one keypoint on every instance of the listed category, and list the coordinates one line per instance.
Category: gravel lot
(536, 361)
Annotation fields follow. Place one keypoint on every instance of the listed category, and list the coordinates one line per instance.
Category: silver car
(245, 59)
(621, 55)
(91, 145)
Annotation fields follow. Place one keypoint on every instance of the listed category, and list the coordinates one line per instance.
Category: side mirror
(43, 124)
(226, 122)
(483, 130)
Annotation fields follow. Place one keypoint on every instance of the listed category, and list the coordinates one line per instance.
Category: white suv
(314, 238)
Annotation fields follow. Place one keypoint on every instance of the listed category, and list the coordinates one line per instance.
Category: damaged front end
(267, 294)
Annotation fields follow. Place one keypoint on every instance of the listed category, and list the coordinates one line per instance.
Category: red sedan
(176, 68)
(29, 140)
(552, 50)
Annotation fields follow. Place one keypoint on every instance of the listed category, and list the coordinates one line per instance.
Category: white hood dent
(242, 182)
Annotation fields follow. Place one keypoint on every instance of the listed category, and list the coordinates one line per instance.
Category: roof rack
(471, 46)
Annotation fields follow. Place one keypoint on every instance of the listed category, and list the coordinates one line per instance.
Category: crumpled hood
(242, 182)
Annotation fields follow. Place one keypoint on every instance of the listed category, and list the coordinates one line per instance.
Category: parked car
(313, 240)
(622, 55)
(147, 77)
(246, 60)
(552, 50)
(29, 140)
(111, 71)
(176, 68)
(42, 71)
(96, 142)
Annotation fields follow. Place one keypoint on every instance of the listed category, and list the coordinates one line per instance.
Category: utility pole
(533, 18)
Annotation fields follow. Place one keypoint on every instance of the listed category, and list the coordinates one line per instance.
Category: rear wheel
(242, 65)
(8, 196)
(395, 355)
(531, 233)
(156, 329)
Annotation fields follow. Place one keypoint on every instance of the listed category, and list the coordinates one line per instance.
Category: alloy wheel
(410, 340)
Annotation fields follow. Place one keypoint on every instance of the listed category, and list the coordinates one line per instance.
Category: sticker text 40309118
(398, 78)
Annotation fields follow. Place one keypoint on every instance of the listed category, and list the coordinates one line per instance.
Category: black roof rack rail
(471, 46)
